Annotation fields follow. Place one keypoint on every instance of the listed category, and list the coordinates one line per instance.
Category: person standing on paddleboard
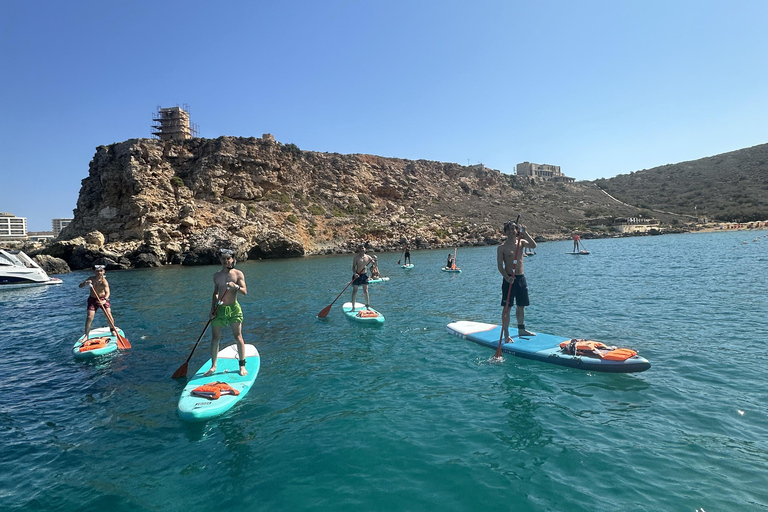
(509, 260)
(229, 313)
(359, 275)
(101, 288)
(576, 240)
(407, 256)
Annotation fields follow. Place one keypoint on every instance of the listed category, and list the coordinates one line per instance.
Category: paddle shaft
(509, 289)
(121, 341)
(324, 312)
(182, 371)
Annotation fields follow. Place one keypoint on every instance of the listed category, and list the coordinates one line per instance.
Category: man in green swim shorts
(231, 281)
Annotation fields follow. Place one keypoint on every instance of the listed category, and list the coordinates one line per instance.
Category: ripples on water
(405, 417)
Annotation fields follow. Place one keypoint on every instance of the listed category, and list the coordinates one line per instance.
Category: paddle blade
(181, 372)
(398, 262)
(123, 343)
(498, 354)
(324, 312)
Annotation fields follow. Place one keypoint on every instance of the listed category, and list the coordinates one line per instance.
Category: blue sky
(598, 87)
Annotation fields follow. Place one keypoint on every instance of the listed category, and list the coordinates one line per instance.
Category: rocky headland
(149, 203)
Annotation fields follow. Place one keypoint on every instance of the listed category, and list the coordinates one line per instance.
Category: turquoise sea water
(404, 417)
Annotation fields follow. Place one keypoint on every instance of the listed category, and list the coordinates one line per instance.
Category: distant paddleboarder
(509, 260)
(576, 240)
(407, 256)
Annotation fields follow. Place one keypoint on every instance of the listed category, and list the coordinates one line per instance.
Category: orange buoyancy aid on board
(596, 349)
(367, 313)
(214, 390)
(93, 344)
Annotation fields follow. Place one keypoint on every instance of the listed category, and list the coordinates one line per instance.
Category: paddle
(182, 371)
(498, 355)
(327, 309)
(122, 343)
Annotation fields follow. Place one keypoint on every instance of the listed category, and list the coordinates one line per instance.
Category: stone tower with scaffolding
(173, 124)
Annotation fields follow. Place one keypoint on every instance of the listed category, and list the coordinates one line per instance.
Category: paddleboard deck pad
(368, 316)
(197, 408)
(100, 348)
(544, 348)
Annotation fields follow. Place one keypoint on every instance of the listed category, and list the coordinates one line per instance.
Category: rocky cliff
(147, 203)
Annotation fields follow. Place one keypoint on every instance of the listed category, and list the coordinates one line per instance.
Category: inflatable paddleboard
(580, 253)
(198, 408)
(455, 270)
(544, 348)
(100, 342)
(362, 314)
(408, 266)
(379, 280)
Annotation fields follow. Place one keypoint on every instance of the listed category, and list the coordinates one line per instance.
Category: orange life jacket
(367, 313)
(596, 349)
(93, 344)
(214, 390)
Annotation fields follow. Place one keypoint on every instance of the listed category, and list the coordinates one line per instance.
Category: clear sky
(598, 87)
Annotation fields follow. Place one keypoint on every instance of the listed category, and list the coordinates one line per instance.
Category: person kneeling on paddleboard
(514, 289)
(227, 282)
(359, 275)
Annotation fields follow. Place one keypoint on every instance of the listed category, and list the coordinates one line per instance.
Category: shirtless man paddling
(510, 266)
(359, 276)
(229, 312)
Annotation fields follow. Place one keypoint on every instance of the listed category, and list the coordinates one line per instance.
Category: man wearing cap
(359, 275)
(101, 288)
(514, 288)
(229, 313)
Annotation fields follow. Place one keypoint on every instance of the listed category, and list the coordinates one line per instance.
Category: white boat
(17, 270)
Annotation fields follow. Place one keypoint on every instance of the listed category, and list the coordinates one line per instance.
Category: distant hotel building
(58, 225)
(12, 227)
(543, 171)
(173, 124)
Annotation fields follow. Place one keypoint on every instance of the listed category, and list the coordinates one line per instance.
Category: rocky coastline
(147, 203)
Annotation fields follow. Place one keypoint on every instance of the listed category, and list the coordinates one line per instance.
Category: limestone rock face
(52, 265)
(151, 202)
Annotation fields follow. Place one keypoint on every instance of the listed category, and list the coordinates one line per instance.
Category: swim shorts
(227, 315)
(361, 279)
(93, 303)
(518, 294)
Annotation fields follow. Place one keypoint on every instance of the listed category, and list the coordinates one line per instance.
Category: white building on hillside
(59, 224)
(12, 227)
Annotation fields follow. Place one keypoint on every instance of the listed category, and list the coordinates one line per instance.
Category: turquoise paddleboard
(542, 347)
(454, 270)
(408, 266)
(101, 332)
(368, 316)
(196, 408)
(379, 280)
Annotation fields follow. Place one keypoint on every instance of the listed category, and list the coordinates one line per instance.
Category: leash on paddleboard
(518, 232)
(182, 371)
(122, 342)
(327, 309)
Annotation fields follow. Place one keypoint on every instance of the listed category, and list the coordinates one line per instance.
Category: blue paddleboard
(196, 408)
(361, 314)
(101, 332)
(408, 266)
(456, 270)
(542, 347)
(379, 280)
